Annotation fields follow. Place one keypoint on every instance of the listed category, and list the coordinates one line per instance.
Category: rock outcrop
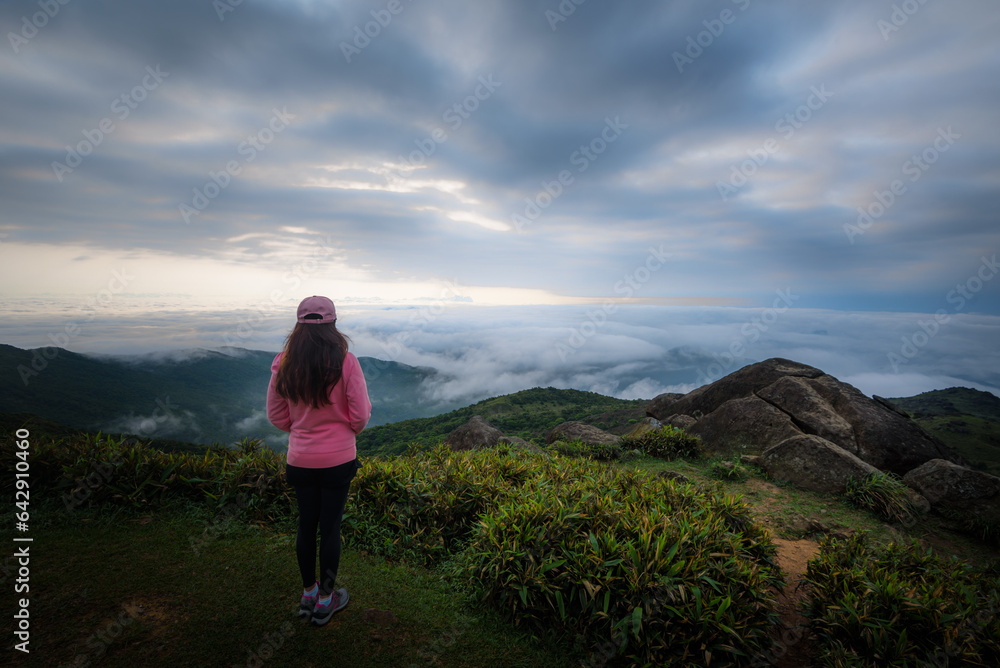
(644, 427)
(746, 422)
(765, 403)
(474, 434)
(813, 463)
(571, 431)
(477, 433)
(957, 490)
(775, 403)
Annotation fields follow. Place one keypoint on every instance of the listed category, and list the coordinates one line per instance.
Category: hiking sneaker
(321, 614)
(308, 603)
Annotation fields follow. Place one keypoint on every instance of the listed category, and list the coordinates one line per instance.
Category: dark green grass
(976, 438)
(90, 569)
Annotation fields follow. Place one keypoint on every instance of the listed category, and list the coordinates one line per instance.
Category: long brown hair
(313, 363)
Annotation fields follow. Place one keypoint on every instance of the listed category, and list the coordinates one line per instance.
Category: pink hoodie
(323, 437)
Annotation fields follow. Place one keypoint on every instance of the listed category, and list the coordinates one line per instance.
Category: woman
(318, 394)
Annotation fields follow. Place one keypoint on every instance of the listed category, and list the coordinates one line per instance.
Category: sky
(579, 193)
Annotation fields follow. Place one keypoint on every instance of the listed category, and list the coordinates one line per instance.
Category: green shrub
(976, 525)
(882, 494)
(731, 473)
(97, 469)
(639, 567)
(668, 443)
(606, 452)
(900, 605)
(577, 448)
(427, 502)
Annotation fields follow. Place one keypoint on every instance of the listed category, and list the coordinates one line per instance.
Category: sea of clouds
(627, 351)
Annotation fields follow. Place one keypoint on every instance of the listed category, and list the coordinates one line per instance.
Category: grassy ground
(119, 589)
(787, 511)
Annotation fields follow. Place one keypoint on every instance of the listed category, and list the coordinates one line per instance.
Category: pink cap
(316, 311)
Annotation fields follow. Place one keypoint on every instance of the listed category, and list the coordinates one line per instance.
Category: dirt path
(795, 645)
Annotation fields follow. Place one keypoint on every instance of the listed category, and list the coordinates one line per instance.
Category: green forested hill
(966, 419)
(527, 414)
(201, 396)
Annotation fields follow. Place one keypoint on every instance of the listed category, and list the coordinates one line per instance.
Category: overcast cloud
(214, 161)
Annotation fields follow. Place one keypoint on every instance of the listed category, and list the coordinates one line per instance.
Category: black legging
(321, 495)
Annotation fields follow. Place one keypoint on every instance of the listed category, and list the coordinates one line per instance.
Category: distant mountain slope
(966, 419)
(47, 430)
(953, 401)
(201, 396)
(527, 414)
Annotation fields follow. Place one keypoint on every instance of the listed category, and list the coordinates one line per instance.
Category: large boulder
(474, 434)
(957, 489)
(747, 423)
(571, 431)
(812, 403)
(740, 383)
(813, 463)
(679, 421)
(644, 427)
(885, 438)
(797, 399)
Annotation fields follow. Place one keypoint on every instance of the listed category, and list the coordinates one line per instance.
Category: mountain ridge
(200, 396)
(205, 396)
(965, 418)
